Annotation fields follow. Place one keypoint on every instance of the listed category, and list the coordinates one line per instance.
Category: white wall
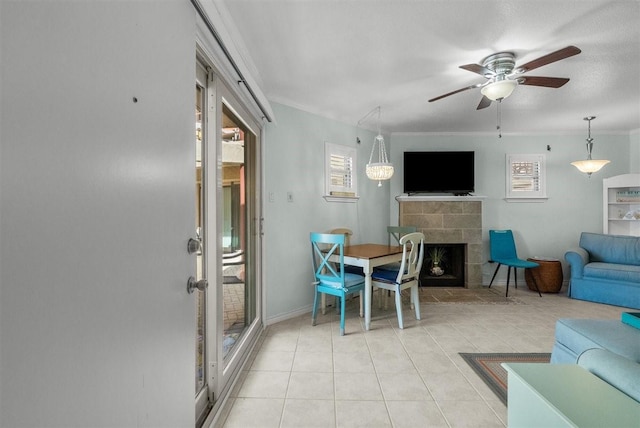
(97, 203)
(541, 229)
(634, 156)
(294, 158)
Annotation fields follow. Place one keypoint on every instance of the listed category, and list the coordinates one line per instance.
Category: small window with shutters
(526, 177)
(340, 173)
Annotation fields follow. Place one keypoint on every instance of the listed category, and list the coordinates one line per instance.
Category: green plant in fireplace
(437, 255)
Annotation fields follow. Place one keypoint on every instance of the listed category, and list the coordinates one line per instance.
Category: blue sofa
(619, 372)
(573, 336)
(606, 269)
(610, 349)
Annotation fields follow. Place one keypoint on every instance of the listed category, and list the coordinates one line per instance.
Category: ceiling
(341, 58)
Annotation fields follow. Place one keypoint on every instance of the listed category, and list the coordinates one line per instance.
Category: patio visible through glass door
(238, 308)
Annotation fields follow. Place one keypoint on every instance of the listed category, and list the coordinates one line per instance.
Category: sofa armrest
(618, 371)
(577, 258)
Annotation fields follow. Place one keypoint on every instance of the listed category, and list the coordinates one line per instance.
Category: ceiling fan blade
(484, 103)
(455, 92)
(547, 82)
(549, 58)
(477, 68)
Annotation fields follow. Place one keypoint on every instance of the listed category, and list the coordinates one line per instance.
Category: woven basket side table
(548, 275)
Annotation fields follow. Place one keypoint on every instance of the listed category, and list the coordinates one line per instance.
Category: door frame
(204, 398)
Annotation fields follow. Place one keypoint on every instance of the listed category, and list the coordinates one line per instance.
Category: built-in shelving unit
(621, 205)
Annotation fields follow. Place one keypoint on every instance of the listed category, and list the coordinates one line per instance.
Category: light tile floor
(303, 376)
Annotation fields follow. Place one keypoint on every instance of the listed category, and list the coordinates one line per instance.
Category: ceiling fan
(503, 75)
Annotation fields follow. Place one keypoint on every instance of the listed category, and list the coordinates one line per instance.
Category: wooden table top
(371, 251)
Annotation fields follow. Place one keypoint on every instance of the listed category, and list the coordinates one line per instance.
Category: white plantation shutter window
(340, 171)
(526, 176)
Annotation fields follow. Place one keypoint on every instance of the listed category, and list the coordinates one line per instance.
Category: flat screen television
(439, 172)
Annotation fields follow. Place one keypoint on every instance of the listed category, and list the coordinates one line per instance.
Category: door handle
(194, 246)
(192, 284)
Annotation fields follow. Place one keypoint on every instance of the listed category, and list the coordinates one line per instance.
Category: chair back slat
(412, 257)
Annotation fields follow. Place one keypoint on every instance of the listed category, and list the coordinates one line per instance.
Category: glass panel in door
(238, 275)
(238, 207)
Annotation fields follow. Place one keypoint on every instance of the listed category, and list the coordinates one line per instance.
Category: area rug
(488, 367)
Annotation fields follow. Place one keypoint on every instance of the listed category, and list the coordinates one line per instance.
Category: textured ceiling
(342, 58)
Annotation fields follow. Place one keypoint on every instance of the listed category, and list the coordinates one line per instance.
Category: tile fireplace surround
(449, 220)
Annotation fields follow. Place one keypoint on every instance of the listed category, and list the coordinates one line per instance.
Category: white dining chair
(394, 235)
(407, 276)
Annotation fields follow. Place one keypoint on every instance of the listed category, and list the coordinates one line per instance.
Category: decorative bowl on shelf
(437, 271)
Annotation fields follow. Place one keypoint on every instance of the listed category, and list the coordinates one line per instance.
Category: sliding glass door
(228, 203)
(240, 241)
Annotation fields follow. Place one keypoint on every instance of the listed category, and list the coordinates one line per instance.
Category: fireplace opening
(443, 265)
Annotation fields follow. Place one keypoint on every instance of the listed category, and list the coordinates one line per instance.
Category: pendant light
(382, 169)
(589, 166)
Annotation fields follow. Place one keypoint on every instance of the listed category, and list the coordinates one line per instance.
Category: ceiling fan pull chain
(499, 119)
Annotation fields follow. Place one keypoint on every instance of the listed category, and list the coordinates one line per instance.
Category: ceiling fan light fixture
(499, 89)
(589, 166)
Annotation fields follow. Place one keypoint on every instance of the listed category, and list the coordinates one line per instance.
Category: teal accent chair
(330, 276)
(407, 276)
(503, 251)
(348, 233)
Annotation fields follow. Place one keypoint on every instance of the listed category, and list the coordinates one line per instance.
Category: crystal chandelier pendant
(382, 169)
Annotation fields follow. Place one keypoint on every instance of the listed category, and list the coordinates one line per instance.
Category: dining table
(369, 256)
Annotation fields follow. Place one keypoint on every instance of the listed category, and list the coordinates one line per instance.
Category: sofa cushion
(574, 336)
(616, 370)
(613, 271)
(611, 248)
